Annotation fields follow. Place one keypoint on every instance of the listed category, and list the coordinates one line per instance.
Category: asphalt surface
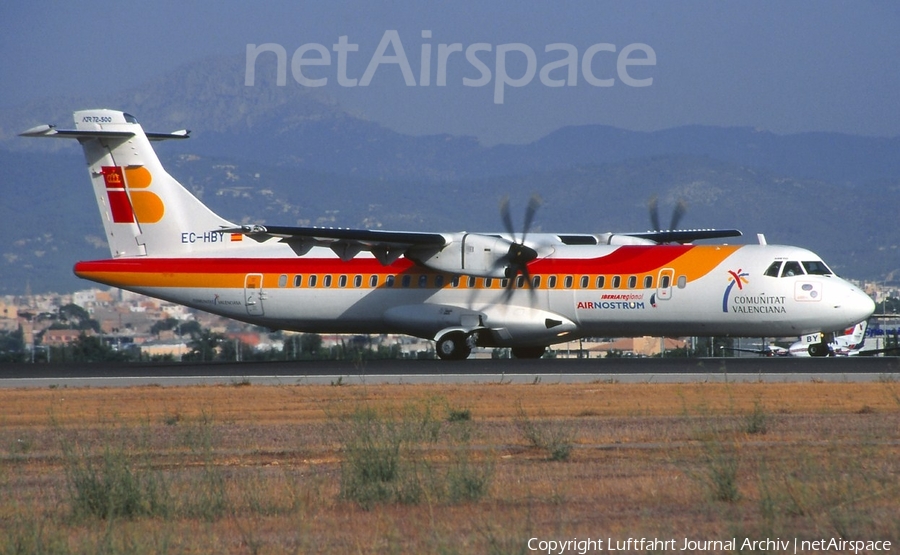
(468, 371)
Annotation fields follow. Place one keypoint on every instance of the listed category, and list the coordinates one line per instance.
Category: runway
(622, 370)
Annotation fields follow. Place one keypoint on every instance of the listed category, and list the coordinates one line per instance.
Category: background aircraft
(847, 343)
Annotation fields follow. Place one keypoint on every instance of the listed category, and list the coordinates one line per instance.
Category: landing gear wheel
(453, 346)
(528, 352)
(818, 350)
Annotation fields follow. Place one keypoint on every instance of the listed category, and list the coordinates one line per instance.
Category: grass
(375, 469)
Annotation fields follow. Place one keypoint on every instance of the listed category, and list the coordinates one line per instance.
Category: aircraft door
(253, 294)
(664, 285)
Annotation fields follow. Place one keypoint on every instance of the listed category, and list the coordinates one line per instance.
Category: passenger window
(535, 282)
(313, 280)
(682, 282)
(298, 280)
(504, 283)
(423, 281)
(601, 282)
(470, 283)
(439, 281)
(772, 270)
(488, 283)
(616, 282)
(551, 282)
(357, 281)
(648, 282)
(405, 280)
(816, 268)
(665, 282)
(632, 282)
(520, 281)
(326, 282)
(584, 282)
(567, 282)
(791, 268)
(282, 280)
(454, 281)
(389, 282)
(342, 281)
(373, 281)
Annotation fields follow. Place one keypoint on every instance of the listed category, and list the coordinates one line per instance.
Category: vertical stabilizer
(145, 211)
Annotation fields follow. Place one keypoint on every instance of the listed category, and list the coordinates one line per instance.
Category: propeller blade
(505, 216)
(677, 214)
(528, 285)
(519, 255)
(653, 207)
(534, 203)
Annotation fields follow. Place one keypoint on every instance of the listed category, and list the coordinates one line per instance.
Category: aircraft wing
(761, 352)
(685, 235)
(387, 246)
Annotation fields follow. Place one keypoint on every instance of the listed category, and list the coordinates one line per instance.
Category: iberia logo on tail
(128, 201)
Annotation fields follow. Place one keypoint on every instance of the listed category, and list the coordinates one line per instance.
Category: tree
(310, 344)
(12, 346)
(204, 346)
(77, 318)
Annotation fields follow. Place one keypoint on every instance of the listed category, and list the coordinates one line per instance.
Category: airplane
(848, 343)
(767, 350)
(459, 289)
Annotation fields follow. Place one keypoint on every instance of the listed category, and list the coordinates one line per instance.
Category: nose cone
(858, 305)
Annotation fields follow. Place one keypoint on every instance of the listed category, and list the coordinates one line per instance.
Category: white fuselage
(579, 291)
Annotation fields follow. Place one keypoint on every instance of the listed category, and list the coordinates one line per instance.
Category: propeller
(519, 254)
(677, 214)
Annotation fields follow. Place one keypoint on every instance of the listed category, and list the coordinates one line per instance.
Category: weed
(459, 415)
(722, 470)
(113, 487)
(384, 458)
(172, 419)
(556, 437)
(757, 422)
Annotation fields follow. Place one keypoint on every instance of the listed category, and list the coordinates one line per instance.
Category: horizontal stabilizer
(52, 131)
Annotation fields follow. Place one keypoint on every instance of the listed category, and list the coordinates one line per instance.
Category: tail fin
(145, 211)
(856, 336)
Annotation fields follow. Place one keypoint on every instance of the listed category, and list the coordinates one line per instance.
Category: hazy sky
(781, 66)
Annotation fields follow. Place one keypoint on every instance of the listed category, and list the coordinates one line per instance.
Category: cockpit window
(772, 271)
(816, 268)
(791, 268)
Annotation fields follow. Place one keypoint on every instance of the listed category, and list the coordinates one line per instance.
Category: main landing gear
(457, 345)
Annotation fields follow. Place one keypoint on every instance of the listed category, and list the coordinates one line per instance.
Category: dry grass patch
(265, 469)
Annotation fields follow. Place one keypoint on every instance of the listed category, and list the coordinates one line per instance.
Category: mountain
(305, 128)
(290, 155)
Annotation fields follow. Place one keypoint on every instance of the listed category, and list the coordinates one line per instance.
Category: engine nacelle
(624, 239)
(471, 254)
